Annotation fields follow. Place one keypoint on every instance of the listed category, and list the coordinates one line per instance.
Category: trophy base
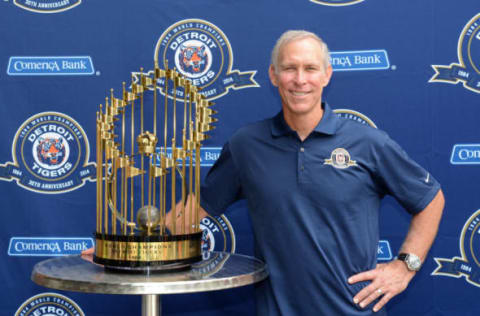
(147, 254)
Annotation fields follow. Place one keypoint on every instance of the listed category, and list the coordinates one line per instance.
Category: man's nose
(300, 77)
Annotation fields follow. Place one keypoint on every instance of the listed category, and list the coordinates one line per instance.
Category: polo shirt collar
(328, 124)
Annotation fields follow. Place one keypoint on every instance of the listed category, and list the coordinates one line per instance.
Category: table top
(217, 271)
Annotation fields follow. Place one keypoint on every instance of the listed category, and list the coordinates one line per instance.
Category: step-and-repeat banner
(411, 68)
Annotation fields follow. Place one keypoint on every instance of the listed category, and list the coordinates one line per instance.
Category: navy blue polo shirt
(314, 206)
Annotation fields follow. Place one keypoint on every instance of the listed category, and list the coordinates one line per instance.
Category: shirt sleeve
(411, 185)
(221, 186)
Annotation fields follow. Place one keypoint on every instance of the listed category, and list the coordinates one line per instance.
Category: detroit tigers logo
(208, 241)
(50, 154)
(47, 6)
(50, 151)
(467, 264)
(49, 304)
(467, 69)
(218, 235)
(201, 52)
(193, 59)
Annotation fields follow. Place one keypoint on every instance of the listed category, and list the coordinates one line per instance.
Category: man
(313, 182)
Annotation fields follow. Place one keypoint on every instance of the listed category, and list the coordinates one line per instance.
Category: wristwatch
(412, 261)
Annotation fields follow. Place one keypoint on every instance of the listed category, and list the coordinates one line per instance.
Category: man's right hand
(184, 214)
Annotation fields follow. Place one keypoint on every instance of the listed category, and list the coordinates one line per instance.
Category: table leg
(151, 305)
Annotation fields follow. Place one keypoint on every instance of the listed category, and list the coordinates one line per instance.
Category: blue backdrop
(410, 67)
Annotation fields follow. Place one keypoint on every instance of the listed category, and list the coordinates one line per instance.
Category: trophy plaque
(140, 166)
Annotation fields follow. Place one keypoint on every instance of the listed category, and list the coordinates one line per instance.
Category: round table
(218, 270)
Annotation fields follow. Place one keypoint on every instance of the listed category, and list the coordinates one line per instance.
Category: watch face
(413, 262)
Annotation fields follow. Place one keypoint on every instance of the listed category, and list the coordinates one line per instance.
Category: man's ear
(272, 75)
(328, 73)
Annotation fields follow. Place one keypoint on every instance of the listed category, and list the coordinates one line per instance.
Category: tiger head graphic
(193, 59)
(51, 151)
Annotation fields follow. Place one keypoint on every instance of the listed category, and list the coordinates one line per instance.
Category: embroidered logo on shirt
(340, 158)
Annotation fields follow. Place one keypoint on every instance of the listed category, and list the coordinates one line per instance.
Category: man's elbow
(440, 200)
(435, 207)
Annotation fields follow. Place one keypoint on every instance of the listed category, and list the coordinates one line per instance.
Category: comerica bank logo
(47, 6)
(47, 246)
(465, 154)
(360, 60)
(384, 251)
(50, 66)
(208, 156)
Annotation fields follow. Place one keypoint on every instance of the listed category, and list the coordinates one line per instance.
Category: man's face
(301, 76)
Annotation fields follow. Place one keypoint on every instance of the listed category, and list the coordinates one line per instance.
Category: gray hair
(294, 35)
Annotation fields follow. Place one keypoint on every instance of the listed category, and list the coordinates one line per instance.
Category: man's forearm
(424, 228)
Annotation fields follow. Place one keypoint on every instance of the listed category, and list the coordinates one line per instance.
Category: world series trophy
(134, 175)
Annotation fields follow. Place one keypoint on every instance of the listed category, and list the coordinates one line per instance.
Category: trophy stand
(220, 271)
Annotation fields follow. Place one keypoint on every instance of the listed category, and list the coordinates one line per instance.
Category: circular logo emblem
(201, 52)
(470, 241)
(469, 47)
(218, 235)
(468, 265)
(467, 70)
(355, 116)
(47, 6)
(337, 2)
(50, 154)
(340, 158)
(49, 304)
